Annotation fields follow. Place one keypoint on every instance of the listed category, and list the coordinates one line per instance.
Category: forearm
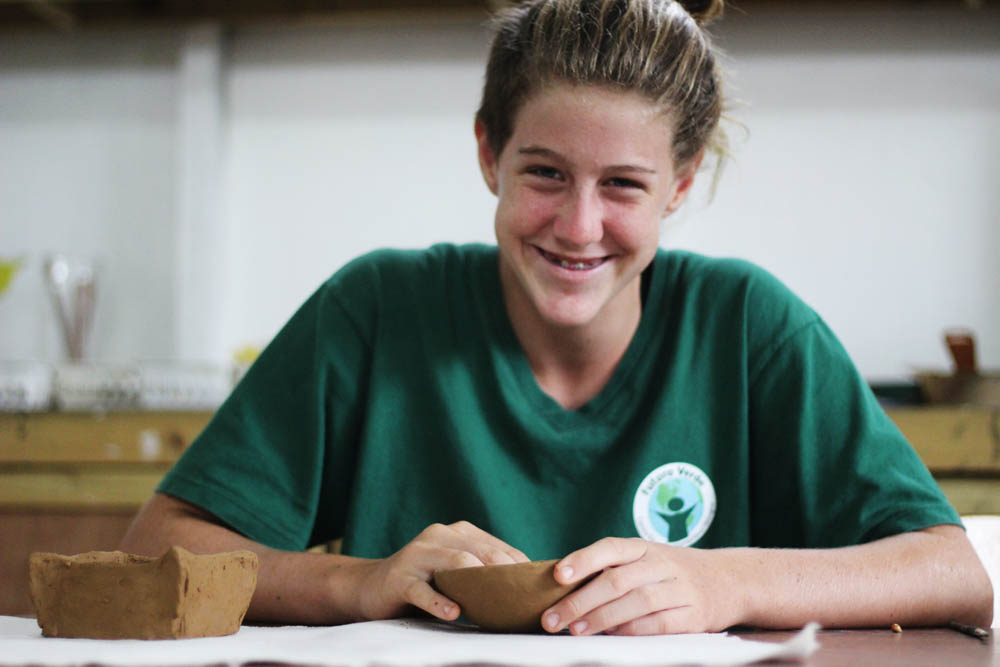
(927, 577)
(923, 578)
(292, 587)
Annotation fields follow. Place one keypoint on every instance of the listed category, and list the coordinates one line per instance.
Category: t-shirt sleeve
(275, 461)
(828, 466)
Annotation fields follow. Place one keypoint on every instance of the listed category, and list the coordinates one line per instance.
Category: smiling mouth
(571, 263)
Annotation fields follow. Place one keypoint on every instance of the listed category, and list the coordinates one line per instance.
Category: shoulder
(396, 285)
(389, 271)
(733, 296)
(389, 263)
(729, 274)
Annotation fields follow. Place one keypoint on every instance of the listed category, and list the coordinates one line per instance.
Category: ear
(487, 160)
(682, 186)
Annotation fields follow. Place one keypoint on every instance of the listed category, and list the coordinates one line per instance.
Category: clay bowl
(504, 598)
(116, 595)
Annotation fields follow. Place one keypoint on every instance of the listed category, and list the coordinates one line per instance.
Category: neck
(572, 364)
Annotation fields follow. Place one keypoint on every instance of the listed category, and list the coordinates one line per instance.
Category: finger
(488, 548)
(605, 553)
(638, 603)
(437, 540)
(609, 552)
(420, 594)
(427, 557)
(666, 622)
(613, 584)
(493, 547)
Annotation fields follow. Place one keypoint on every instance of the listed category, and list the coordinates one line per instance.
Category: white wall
(866, 182)
(344, 140)
(869, 179)
(87, 152)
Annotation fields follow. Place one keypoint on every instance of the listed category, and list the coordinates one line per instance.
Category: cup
(72, 284)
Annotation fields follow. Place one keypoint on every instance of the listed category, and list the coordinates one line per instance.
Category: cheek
(522, 212)
(634, 231)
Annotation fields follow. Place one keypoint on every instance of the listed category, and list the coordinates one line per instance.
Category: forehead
(592, 120)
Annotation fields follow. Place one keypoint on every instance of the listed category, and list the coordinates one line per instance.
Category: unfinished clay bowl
(115, 595)
(504, 598)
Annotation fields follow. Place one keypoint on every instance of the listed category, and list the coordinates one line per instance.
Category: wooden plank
(124, 488)
(60, 460)
(25, 531)
(973, 496)
(947, 438)
(953, 439)
(123, 437)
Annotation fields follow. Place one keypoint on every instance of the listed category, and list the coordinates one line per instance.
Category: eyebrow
(549, 153)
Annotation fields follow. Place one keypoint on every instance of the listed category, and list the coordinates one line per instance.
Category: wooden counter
(72, 482)
(84, 462)
(961, 447)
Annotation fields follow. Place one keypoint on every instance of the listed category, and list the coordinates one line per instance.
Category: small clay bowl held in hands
(504, 598)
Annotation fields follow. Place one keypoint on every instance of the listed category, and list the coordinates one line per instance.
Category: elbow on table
(984, 607)
(959, 585)
(976, 603)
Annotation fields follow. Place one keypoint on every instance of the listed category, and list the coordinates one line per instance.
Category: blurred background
(218, 164)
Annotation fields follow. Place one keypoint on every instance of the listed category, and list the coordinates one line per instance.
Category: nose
(580, 220)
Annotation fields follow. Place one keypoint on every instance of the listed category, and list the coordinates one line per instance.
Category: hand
(644, 588)
(394, 583)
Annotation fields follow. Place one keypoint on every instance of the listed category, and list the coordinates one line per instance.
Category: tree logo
(674, 504)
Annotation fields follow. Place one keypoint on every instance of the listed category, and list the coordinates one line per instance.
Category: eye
(544, 172)
(619, 182)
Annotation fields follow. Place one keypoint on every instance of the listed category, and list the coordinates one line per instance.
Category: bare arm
(324, 589)
(923, 578)
(927, 577)
(288, 584)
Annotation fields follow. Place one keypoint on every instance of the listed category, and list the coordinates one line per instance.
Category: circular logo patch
(674, 505)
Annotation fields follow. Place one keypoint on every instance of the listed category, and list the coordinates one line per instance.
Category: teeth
(572, 266)
(576, 266)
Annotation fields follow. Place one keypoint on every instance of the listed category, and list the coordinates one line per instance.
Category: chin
(568, 315)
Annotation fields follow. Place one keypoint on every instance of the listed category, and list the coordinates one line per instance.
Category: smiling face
(583, 185)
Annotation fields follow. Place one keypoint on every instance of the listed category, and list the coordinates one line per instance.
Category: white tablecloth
(396, 643)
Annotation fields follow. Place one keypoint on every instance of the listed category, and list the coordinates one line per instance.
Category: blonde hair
(656, 48)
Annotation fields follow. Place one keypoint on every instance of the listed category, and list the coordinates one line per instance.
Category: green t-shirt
(398, 396)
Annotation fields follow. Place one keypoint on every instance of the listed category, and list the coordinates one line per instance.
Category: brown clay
(115, 595)
(504, 598)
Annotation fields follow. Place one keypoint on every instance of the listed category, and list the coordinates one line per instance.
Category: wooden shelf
(953, 440)
(79, 487)
(118, 437)
(972, 496)
(86, 462)
(961, 447)
(79, 14)
(78, 461)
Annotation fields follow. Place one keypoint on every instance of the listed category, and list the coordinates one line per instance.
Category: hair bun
(703, 11)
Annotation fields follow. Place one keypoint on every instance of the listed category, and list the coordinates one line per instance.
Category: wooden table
(933, 647)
